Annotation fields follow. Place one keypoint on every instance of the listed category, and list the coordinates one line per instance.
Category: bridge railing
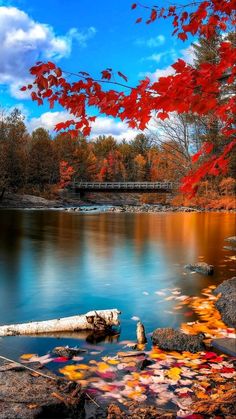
(125, 185)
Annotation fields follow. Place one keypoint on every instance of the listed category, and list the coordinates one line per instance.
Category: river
(54, 263)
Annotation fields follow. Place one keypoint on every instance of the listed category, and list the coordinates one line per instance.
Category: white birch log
(93, 320)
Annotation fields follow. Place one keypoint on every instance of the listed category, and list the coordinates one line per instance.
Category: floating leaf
(27, 357)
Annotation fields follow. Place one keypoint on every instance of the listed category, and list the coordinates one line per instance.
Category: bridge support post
(82, 194)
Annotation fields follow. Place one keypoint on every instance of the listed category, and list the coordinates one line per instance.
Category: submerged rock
(227, 302)
(231, 239)
(201, 268)
(229, 248)
(174, 340)
(66, 351)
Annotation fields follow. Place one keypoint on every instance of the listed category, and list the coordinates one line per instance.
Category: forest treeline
(41, 164)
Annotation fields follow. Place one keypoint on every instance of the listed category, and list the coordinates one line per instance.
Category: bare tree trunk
(93, 320)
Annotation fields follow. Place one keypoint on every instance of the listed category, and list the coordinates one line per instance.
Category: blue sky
(88, 35)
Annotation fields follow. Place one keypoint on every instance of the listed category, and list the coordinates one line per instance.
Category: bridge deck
(123, 186)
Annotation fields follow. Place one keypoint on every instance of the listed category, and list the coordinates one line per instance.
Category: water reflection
(56, 264)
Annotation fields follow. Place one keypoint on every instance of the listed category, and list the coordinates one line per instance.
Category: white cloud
(24, 41)
(48, 120)
(102, 125)
(186, 54)
(108, 126)
(154, 42)
(163, 56)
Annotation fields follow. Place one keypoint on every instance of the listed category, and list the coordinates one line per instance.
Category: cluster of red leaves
(197, 91)
(203, 19)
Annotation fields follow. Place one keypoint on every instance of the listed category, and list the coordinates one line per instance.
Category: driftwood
(100, 320)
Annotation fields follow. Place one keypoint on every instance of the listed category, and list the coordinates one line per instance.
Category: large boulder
(226, 304)
(174, 340)
(201, 268)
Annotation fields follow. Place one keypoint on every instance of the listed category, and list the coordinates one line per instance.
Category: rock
(201, 268)
(174, 340)
(225, 345)
(231, 239)
(66, 351)
(24, 395)
(229, 248)
(227, 302)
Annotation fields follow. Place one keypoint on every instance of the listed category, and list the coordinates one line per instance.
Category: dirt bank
(25, 394)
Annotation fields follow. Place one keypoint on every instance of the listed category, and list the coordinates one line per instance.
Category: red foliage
(66, 173)
(187, 90)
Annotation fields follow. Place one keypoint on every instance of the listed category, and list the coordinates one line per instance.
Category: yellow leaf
(103, 367)
(174, 373)
(82, 367)
(112, 361)
(134, 394)
(27, 356)
(70, 368)
(71, 374)
(155, 355)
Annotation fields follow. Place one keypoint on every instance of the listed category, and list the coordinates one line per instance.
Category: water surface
(54, 264)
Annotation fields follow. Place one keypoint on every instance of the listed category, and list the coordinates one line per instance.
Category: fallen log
(93, 320)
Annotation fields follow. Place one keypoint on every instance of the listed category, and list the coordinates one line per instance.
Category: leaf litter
(186, 381)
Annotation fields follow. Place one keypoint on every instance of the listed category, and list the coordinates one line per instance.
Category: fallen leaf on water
(82, 367)
(45, 359)
(27, 356)
(160, 293)
(60, 359)
(71, 372)
(103, 367)
(112, 361)
(77, 358)
(135, 318)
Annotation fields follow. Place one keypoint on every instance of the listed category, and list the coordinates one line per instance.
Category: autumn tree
(140, 168)
(43, 167)
(66, 174)
(188, 90)
(14, 150)
(103, 145)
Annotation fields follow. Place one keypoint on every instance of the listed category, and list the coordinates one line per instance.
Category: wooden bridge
(138, 187)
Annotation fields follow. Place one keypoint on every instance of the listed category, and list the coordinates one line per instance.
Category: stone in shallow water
(231, 239)
(201, 268)
(174, 340)
(225, 345)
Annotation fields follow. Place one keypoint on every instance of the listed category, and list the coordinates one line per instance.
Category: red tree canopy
(189, 90)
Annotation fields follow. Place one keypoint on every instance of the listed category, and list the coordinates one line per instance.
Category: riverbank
(17, 201)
